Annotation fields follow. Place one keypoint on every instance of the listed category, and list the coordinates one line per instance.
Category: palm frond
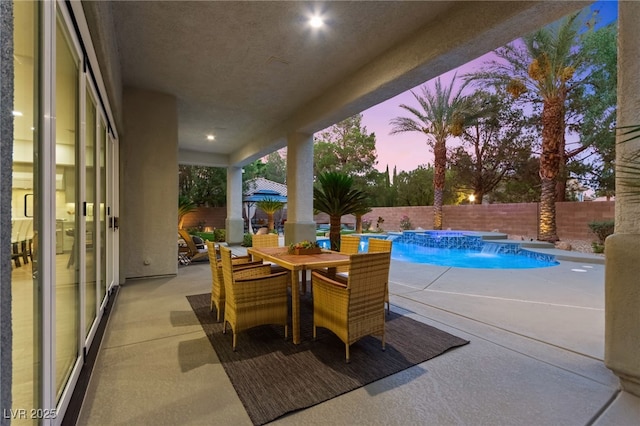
(336, 196)
(628, 168)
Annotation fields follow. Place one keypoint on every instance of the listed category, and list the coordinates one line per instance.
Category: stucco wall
(149, 192)
(516, 219)
(211, 217)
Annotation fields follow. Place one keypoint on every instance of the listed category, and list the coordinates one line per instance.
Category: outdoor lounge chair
(377, 245)
(217, 282)
(353, 308)
(194, 253)
(253, 296)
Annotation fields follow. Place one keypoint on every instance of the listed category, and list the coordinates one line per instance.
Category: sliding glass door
(68, 207)
(63, 250)
(26, 296)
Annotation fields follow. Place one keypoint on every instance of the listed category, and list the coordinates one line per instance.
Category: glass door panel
(104, 207)
(68, 210)
(90, 224)
(25, 294)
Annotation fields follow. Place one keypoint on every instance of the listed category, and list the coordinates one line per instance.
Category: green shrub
(247, 240)
(220, 235)
(597, 247)
(602, 229)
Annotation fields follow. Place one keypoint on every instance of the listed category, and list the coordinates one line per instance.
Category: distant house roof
(261, 184)
(259, 189)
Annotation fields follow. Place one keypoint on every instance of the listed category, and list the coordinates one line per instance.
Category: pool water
(465, 258)
(483, 255)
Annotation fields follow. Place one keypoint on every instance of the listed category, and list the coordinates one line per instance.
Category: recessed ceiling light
(17, 114)
(316, 21)
(210, 137)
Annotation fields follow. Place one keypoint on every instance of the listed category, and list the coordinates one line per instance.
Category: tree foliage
(204, 186)
(544, 69)
(522, 185)
(348, 148)
(594, 105)
(275, 167)
(412, 190)
(493, 145)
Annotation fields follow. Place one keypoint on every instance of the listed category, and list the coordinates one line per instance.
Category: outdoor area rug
(273, 377)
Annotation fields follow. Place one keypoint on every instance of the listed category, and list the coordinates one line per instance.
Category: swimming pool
(458, 249)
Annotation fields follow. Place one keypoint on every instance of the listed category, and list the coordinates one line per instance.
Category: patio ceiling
(250, 73)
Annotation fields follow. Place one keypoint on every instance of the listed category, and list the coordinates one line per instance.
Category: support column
(300, 224)
(622, 286)
(149, 167)
(234, 224)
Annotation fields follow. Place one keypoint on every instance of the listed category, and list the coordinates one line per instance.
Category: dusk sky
(407, 151)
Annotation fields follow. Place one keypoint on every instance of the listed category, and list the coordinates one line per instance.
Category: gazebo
(262, 189)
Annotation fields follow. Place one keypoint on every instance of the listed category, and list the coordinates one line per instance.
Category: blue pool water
(466, 258)
(458, 250)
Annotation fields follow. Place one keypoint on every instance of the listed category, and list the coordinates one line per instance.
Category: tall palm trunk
(358, 223)
(270, 222)
(334, 232)
(440, 164)
(552, 137)
(561, 181)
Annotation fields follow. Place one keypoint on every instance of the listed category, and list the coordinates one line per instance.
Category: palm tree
(270, 206)
(443, 114)
(336, 196)
(185, 205)
(358, 214)
(543, 69)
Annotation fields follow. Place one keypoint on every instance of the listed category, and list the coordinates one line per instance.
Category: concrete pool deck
(535, 356)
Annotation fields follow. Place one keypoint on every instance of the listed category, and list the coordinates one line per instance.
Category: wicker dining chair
(217, 283)
(377, 245)
(265, 240)
(353, 308)
(253, 296)
(349, 244)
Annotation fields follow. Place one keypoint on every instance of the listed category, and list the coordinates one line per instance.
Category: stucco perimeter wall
(572, 218)
(516, 219)
(209, 217)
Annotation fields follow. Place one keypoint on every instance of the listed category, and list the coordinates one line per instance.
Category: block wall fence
(572, 218)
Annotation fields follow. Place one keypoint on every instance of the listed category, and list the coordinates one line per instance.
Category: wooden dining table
(296, 263)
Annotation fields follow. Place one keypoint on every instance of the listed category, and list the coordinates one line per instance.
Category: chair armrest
(326, 280)
(251, 271)
(242, 265)
(263, 277)
(235, 257)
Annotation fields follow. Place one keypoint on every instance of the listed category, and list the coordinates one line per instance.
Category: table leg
(295, 307)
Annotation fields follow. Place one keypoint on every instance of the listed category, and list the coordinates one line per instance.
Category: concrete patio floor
(535, 356)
